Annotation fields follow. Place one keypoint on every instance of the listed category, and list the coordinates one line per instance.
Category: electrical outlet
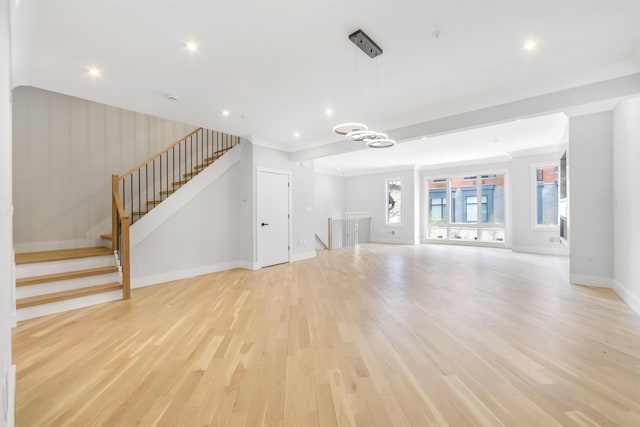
(393, 232)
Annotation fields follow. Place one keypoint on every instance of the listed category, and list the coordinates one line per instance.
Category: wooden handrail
(116, 196)
(117, 210)
(155, 156)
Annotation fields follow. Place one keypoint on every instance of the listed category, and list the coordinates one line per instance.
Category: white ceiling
(496, 143)
(276, 66)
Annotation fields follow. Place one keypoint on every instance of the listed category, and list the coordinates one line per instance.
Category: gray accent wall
(65, 150)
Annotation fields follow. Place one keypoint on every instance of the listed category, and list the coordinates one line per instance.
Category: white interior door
(273, 218)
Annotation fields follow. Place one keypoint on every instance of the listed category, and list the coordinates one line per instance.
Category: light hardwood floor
(376, 336)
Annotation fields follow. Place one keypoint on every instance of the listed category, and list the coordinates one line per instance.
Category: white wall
(65, 151)
(7, 281)
(626, 194)
(367, 193)
(591, 199)
(328, 202)
(210, 230)
(302, 186)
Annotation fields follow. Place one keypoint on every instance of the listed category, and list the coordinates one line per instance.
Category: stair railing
(348, 232)
(120, 236)
(159, 176)
(152, 181)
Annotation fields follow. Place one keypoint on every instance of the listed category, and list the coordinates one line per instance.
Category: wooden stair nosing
(61, 254)
(199, 168)
(28, 281)
(65, 295)
(106, 236)
(179, 183)
(139, 213)
(167, 192)
(154, 202)
(191, 174)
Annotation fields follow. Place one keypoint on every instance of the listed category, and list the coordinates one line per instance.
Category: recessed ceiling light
(225, 113)
(329, 112)
(94, 72)
(296, 134)
(530, 45)
(191, 46)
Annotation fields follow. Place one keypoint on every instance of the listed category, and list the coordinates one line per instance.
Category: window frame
(386, 198)
(448, 225)
(533, 186)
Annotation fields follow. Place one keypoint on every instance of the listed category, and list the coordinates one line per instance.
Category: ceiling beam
(580, 100)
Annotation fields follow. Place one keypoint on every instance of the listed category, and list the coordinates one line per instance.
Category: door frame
(260, 169)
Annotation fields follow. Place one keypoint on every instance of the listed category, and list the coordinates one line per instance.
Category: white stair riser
(63, 266)
(66, 285)
(71, 304)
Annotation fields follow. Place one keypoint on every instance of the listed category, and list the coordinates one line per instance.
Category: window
(438, 208)
(546, 193)
(472, 208)
(394, 202)
(466, 207)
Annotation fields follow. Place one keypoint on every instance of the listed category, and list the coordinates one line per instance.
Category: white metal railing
(348, 232)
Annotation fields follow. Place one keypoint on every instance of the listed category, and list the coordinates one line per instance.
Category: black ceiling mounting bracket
(364, 42)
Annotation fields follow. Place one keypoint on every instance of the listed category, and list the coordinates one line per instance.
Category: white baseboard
(539, 250)
(392, 241)
(247, 265)
(303, 256)
(632, 300)
(595, 281)
(139, 282)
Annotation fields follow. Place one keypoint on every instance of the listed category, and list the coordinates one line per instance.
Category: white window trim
(534, 197)
(386, 205)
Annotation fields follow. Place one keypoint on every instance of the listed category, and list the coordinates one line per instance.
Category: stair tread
(61, 254)
(139, 213)
(64, 295)
(105, 236)
(27, 281)
(165, 192)
(177, 183)
(154, 202)
(188, 174)
(206, 163)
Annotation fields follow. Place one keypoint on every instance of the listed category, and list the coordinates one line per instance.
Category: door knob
(264, 223)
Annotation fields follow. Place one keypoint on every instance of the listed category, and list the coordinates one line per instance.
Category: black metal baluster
(154, 177)
(131, 195)
(146, 181)
(139, 194)
(160, 172)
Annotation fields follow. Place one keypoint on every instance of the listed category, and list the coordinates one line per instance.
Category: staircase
(53, 281)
